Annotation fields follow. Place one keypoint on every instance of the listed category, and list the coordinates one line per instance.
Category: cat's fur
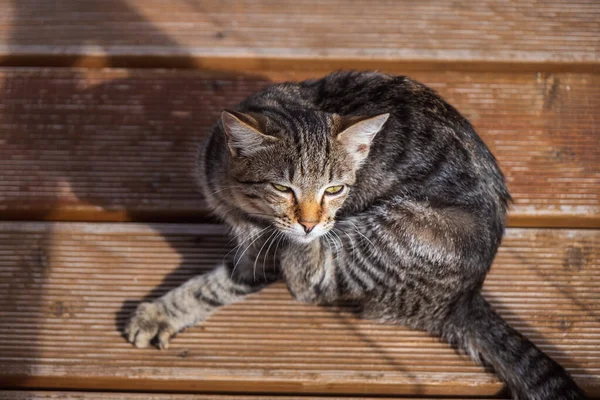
(410, 238)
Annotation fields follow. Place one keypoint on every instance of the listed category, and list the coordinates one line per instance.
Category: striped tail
(527, 371)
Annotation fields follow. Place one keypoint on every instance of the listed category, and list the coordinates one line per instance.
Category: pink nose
(308, 225)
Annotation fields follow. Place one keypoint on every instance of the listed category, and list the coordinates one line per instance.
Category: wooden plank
(66, 289)
(39, 395)
(210, 33)
(119, 145)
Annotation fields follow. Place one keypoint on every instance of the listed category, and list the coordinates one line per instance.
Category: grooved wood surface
(194, 31)
(119, 145)
(66, 290)
(38, 395)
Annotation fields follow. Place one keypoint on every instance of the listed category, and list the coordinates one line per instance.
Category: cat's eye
(281, 188)
(334, 189)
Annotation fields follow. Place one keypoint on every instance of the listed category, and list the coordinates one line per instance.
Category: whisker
(340, 241)
(338, 237)
(258, 256)
(361, 234)
(351, 244)
(227, 244)
(250, 236)
(337, 250)
(326, 236)
(239, 246)
(242, 255)
(253, 235)
(281, 238)
(267, 253)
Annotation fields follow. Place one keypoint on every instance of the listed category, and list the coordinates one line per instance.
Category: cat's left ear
(358, 136)
(243, 134)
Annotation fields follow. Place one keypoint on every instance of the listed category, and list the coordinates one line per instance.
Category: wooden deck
(98, 208)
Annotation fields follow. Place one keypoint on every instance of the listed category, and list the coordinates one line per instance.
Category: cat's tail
(527, 371)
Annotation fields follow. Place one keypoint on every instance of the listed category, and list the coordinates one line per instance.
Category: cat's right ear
(243, 134)
(358, 135)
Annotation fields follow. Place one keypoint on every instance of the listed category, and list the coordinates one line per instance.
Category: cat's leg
(196, 299)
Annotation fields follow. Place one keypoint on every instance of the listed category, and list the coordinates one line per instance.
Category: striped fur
(410, 238)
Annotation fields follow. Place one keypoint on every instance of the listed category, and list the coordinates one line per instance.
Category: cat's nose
(308, 225)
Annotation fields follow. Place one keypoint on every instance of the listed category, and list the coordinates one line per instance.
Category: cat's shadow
(185, 270)
(344, 314)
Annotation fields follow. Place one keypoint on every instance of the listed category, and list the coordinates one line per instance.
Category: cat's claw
(149, 323)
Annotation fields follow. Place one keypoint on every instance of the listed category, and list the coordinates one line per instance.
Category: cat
(365, 188)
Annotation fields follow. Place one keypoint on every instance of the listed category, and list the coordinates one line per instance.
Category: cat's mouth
(305, 239)
(299, 235)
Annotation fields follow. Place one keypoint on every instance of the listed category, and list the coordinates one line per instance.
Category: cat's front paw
(147, 323)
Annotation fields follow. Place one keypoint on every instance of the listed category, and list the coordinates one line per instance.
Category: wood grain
(119, 145)
(39, 395)
(241, 35)
(66, 290)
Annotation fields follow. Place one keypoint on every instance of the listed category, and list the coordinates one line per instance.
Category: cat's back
(365, 92)
(419, 117)
(427, 147)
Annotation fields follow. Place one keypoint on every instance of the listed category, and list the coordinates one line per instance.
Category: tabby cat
(366, 188)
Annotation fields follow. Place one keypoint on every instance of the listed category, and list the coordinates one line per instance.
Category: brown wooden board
(208, 33)
(66, 289)
(40, 395)
(119, 145)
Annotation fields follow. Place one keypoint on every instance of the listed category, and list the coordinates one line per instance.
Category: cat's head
(295, 170)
